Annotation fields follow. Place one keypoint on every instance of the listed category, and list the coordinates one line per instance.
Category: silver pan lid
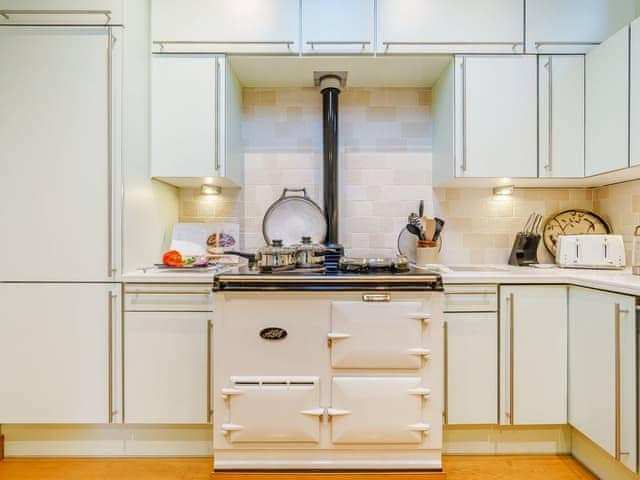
(292, 217)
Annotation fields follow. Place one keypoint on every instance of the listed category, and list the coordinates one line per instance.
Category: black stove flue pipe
(330, 89)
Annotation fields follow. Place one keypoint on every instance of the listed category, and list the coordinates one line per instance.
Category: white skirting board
(496, 440)
(107, 440)
(602, 464)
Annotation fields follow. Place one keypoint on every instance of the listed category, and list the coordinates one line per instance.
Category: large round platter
(572, 222)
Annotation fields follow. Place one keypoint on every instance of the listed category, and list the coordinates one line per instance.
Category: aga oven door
(377, 333)
(273, 409)
(378, 410)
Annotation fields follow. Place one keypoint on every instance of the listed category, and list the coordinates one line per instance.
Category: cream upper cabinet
(603, 371)
(351, 31)
(496, 116)
(533, 350)
(574, 26)
(195, 126)
(220, 26)
(635, 94)
(561, 116)
(62, 12)
(487, 26)
(607, 105)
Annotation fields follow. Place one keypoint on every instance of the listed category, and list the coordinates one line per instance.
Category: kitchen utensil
(635, 252)
(439, 226)
(414, 230)
(525, 246)
(572, 222)
(421, 209)
(429, 226)
(291, 217)
(270, 258)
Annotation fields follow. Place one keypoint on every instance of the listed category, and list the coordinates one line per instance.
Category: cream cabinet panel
(471, 368)
(62, 12)
(603, 371)
(59, 131)
(487, 26)
(166, 367)
(574, 26)
(561, 116)
(496, 116)
(350, 31)
(395, 403)
(607, 105)
(221, 26)
(634, 126)
(533, 363)
(56, 342)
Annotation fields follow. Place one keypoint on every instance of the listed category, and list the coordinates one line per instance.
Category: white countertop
(621, 281)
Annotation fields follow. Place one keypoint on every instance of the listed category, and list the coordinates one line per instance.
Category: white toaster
(590, 251)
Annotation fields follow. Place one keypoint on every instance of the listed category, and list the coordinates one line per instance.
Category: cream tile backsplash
(385, 149)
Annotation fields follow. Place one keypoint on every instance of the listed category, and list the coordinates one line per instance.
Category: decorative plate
(571, 222)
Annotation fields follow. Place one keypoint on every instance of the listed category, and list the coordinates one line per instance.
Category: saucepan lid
(292, 217)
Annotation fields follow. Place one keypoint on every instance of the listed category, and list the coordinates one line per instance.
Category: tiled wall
(620, 206)
(385, 155)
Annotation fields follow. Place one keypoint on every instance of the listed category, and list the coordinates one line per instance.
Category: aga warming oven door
(377, 333)
(273, 409)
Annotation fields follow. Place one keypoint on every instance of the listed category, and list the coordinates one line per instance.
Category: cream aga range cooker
(328, 371)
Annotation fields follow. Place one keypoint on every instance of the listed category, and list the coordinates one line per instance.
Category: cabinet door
(351, 30)
(561, 116)
(533, 364)
(377, 410)
(59, 152)
(574, 26)
(471, 366)
(249, 26)
(377, 335)
(496, 116)
(603, 371)
(487, 26)
(56, 342)
(634, 127)
(184, 107)
(166, 367)
(607, 105)
(273, 409)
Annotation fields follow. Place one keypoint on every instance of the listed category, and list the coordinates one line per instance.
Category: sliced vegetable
(172, 258)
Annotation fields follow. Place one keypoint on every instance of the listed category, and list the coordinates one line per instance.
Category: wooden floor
(456, 468)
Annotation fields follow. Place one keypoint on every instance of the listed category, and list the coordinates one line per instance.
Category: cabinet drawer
(471, 298)
(273, 409)
(161, 298)
(377, 410)
(377, 335)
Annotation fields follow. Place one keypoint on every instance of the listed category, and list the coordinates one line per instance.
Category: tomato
(172, 258)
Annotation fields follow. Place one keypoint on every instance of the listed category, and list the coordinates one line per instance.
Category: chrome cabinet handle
(445, 332)
(542, 44)
(162, 43)
(618, 312)
(514, 45)
(464, 114)
(511, 309)
(7, 13)
(549, 66)
(216, 118)
(209, 413)
(111, 267)
(362, 43)
(110, 299)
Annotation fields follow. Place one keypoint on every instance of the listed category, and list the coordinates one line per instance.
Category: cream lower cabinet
(471, 368)
(533, 351)
(603, 371)
(57, 351)
(167, 354)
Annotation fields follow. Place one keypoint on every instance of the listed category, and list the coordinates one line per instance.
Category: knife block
(525, 249)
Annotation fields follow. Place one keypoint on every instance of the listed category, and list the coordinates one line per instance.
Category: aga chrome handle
(423, 316)
(419, 427)
(337, 412)
(228, 392)
(420, 352)
(313, 412)
(421, 391)
(337, 336)
(227, 428)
